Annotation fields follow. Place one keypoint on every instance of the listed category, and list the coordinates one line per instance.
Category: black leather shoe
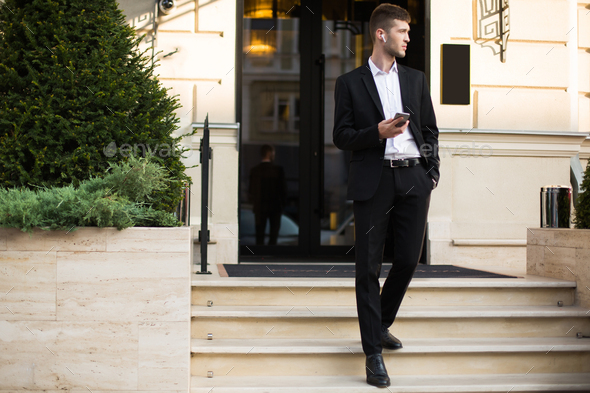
(376, 372)
(389, 341)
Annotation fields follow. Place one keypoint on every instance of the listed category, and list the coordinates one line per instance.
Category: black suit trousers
(403, 196)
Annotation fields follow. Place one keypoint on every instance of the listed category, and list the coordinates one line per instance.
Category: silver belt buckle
(391, 164)
(400, 166)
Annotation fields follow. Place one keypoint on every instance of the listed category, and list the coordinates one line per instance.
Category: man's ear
(378, 34)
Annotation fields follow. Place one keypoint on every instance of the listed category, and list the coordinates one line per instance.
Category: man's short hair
(383, 18)
(265, 150)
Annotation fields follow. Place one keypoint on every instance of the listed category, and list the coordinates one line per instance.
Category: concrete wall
(96, 309)
(564, 254)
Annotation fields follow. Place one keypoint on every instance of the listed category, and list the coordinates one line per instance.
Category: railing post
(183, 209)
(204, 232)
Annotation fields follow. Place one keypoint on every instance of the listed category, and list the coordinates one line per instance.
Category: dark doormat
(333, 271)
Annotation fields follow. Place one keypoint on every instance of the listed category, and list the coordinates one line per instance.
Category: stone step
(339, 282)
(312, 296)
(554, 382)
(412, 322)
(411, 345)
(291, 357)
(340, 292)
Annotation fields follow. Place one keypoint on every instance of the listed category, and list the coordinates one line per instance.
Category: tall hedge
(74, 89)
(582, 213)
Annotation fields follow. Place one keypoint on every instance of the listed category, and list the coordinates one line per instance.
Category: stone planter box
(95, 309)
(564, 254)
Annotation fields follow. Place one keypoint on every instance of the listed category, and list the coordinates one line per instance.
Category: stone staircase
(459, 335)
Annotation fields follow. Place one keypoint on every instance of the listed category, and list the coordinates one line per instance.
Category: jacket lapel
(367, 78)
(404, 86)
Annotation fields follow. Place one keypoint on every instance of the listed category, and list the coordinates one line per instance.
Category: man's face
(397, 39)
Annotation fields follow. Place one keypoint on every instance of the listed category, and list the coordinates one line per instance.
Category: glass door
(293, 180)
(270, 210)
(345, 45)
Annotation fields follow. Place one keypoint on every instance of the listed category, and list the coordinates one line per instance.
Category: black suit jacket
(357, 115)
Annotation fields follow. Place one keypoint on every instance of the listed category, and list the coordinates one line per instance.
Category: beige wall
(583, 11)
(529, 112)
(489, 195)
(95, 308)
(545, 82)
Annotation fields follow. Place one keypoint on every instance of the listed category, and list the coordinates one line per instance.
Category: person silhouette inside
(267, 193)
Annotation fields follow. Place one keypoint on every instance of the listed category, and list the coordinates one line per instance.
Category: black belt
(401, 163)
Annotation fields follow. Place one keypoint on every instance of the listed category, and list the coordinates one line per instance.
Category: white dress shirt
(402, 146)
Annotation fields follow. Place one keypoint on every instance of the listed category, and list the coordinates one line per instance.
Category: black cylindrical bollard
(555, 206)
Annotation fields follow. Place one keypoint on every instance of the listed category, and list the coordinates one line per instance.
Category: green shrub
(121, 199)
(582, 212)
(74, 85)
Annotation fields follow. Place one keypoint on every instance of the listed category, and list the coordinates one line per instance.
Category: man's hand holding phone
(393, 127)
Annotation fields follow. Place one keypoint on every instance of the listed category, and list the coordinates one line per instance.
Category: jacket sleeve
(345, 135)
(429, 131)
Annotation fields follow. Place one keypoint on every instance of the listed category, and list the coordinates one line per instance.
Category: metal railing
(206, 155)
(204, 231)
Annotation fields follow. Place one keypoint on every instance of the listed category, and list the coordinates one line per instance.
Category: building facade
(510, 83)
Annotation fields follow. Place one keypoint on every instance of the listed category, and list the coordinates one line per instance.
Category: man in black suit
(393, 169)
(267, 192)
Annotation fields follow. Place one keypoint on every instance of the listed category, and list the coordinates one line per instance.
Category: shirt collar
(375, 70)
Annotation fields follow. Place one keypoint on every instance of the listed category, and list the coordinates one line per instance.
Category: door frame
(311, 141)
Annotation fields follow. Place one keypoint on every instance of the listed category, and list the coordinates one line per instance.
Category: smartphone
(401, 116)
